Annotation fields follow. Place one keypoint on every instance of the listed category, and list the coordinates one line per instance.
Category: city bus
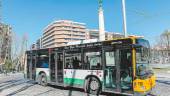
(119, 66)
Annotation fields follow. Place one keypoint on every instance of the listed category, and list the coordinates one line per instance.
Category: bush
(8, 65)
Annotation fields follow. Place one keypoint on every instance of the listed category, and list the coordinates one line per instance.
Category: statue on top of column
(100, 3)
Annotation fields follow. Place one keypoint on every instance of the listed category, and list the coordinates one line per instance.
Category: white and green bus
(117, 66)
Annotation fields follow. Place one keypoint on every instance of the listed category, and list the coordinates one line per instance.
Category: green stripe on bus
(73, 81)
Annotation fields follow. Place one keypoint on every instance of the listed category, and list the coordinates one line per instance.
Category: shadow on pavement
(9, 82)
(163, 81)
(71, 89)
(43, 93)
(19, 90)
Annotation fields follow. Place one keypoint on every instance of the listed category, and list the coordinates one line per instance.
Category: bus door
(28, 63)
(109, 70)
(59, 67)
(32, 67)
(117, 71)
(52, 66)
(125, 58)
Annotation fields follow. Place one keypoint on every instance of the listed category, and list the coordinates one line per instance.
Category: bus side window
(73, 61)
(94, 60)
(110, 58)
(76, 63)
(86, 64)
(68, 63)
(42, 62)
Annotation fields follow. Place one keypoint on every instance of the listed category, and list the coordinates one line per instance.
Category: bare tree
(1, 43)
(19, 44)
(165, 38)
(163, 47)
(15, 49)
(5, 44)
(22, 51)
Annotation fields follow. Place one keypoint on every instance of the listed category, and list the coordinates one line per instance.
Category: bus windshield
(142, 59)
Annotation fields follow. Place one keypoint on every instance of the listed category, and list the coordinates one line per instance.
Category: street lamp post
(124, 18)
(101, 22)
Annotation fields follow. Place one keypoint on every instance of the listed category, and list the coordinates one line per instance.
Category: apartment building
(60, 32)
(160, 54)
(38, 44)
(94, 34)
(112, 35)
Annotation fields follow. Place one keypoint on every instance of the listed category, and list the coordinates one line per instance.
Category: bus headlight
(141, 85)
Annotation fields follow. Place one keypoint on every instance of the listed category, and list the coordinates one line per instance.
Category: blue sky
(148, 18)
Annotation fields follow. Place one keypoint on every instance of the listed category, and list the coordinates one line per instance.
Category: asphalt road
(162, 83)
(16, 85)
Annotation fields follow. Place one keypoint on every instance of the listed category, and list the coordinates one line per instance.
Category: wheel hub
(43, 79)
(94, 85)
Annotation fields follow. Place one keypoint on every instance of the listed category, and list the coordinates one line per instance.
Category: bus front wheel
(43, 79)
(93, 86)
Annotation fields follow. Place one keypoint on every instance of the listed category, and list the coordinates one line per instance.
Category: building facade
(112, 35)
(60, 32)
(94, 34)
(39, 43)
(160, 55)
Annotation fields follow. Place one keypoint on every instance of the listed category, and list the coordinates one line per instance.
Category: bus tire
(39, 79)
(93, 86)
(43, 79)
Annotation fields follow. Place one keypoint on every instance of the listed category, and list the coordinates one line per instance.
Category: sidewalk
(160, 66)
(2, 75)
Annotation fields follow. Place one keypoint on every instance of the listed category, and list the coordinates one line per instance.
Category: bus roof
(89, 43)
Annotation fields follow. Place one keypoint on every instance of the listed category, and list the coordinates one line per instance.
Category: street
(48, 47)
(163, 82)
(16, 85)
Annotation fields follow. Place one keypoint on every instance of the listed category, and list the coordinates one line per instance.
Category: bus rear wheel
(43, 79)
(93, 86)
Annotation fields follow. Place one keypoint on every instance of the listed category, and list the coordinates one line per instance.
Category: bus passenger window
(110, 58)
(73, 61)
(43, 61)
(98, 66)
(93, 60)
(76, 63)
(86, 64)
(68, 63)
